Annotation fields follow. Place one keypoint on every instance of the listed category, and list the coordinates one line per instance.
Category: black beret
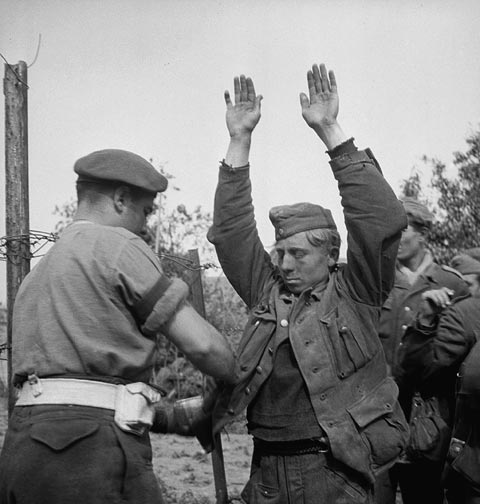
(291, 219)
(417, 213)
(120, 166)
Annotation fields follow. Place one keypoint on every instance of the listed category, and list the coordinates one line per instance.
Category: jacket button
(270, 350)
(259, 369)
(247, 391)
(407, 308)
(231, 412)
(323, 397)
(404, 327)
(344, 329)
(307, 342)
(284, 323)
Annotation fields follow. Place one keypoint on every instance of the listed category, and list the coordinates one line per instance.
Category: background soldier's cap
(291, 219)
(417, 213)
(473, 252)
(466, 265)
(120, 166)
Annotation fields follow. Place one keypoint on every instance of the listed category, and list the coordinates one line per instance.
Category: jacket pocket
(352, 349)
(61, 434)
(381, 424)
(256, 335)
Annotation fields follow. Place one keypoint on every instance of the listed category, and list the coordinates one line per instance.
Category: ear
(333, 256)
(121, 197)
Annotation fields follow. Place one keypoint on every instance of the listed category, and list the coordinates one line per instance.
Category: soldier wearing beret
(321, 408)
(85, 322)
(416, 273)
(435, 346)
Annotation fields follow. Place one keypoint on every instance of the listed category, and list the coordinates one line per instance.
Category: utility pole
(16, 195)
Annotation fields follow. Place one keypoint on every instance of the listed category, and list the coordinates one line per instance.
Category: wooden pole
(218, 463)
(16, 195)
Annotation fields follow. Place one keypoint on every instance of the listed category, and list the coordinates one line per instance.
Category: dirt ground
(183, 469)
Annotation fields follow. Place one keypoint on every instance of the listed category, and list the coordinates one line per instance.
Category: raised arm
(244, 260)
(241, 117)
(374, 217)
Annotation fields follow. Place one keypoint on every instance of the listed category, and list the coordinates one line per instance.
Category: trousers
(65, 454)
(310, 478)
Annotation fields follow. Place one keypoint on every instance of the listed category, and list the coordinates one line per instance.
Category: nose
(288, 263)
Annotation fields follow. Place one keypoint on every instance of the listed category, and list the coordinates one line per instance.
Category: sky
(149, 76)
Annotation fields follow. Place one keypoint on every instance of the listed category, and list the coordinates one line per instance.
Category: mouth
(291, 280)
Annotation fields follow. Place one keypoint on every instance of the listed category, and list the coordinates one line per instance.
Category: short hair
(328, 239)
(91, 191)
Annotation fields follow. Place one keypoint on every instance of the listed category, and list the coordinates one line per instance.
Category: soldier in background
(416, 273)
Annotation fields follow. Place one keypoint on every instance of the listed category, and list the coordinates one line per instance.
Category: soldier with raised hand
(321, 409)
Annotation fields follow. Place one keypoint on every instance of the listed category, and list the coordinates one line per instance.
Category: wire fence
(31, 245)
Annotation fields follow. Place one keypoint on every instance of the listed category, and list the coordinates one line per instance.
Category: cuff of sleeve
(166, 307)
(346, 147)
(232, 168)
(163, 421)
(424, 327)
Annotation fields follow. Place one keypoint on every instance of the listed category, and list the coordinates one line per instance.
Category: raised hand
(320, 108)
(243, 116)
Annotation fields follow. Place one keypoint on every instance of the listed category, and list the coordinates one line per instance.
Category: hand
(435, 300)
(320, 109)
(244, 115)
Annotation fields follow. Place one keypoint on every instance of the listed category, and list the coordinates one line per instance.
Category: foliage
(454, 200)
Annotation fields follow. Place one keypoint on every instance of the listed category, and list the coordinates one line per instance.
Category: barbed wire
(186, 263)
(25, 246)
(3, 348)
(35, 241)
(19, 79)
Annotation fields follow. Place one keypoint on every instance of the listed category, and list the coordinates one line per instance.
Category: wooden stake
(218, 464)
(16, 195)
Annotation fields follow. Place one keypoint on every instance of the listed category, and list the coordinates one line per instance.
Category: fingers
(258, 100)
(321, 81)
(228, 101)
(236, 88)
(304, 101)
(333, 81)
(312, 90)
(244, 91)
(250, 89)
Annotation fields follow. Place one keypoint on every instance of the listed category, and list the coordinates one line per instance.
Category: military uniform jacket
(401, 308)
(466, 461)
(431, 356)
(332, 333)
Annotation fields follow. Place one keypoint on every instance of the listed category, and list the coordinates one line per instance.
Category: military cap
(417, 213)
(120, 166)
(466, 265)
(473, 252)
(291, 219)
